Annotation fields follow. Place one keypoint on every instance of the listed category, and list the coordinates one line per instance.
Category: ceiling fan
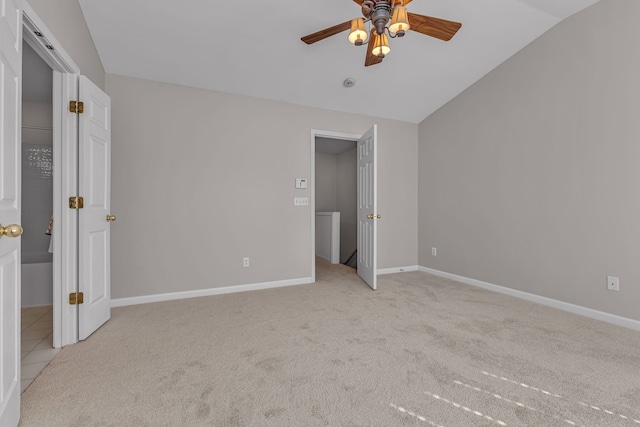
(386, 17)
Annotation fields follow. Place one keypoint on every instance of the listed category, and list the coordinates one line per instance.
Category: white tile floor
(37, 344)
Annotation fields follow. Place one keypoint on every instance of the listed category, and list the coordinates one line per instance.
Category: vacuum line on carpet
(583, 404)
(522, 385)
(459, 406)
(520, 404)
(413, 414)
(595, 408)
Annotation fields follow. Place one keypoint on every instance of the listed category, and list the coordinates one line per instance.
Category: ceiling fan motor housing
(380, 15)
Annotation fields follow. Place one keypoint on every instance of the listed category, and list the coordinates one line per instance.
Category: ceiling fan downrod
(379, 12)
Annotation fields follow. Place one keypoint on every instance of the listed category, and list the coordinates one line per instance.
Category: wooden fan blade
(434, 27)
(396, 2)
(359, 2)
(327, 32)
(371, 59)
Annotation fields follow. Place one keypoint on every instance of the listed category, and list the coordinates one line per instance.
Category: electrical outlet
(245, 262)
(434, 251)
(613, 283)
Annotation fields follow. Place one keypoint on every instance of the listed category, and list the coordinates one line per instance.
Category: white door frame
(320, 134)
(65, 161)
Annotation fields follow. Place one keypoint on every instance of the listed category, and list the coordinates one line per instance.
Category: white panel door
(367, 207)
(10, 128)
(94, 182)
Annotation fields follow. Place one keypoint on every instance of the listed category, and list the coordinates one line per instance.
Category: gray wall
(37, 180)
(65, 20)
(347, 201)
(530, 178)
(197, 189)
(325, 183)
(37, 122)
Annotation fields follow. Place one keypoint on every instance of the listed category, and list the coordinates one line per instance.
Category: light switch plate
(300, 201)
(302, 183)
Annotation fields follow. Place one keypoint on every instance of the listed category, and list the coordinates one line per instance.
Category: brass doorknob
(13, 230)
(372, 216)
(111, 218)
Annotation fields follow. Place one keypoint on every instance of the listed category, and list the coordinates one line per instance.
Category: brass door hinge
(76, 298)
(76, 107)
(76, 202)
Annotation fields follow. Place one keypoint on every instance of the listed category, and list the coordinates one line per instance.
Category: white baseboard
(121, 302)
(324, 258)
(37, 284)
(396, 270)
(561, 305)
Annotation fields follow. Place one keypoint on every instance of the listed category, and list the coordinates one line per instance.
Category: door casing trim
(312, 179)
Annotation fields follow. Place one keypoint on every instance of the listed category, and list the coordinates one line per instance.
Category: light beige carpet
(420, 351)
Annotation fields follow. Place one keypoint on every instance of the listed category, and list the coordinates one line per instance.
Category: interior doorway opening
(365, 201)
(37, 348)
(62, 72)
(336, 196)
(37, 180)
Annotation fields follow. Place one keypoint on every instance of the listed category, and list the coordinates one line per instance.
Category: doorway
(75, 164)
(37, 348)
(336, 191)
(64, 131)
(364, 198)
(81, 116)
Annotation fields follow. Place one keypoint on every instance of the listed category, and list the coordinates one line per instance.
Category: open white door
(10, 123)
(95, 186)
(367, 207)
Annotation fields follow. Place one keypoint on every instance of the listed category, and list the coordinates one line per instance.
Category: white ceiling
(194, 43)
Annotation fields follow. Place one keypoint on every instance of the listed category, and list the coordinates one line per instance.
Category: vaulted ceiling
(253, 48)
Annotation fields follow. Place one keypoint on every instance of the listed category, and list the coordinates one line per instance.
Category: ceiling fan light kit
(381, 46)
(358, 35)
(387, 18)
(380, 13)
(399, 21)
